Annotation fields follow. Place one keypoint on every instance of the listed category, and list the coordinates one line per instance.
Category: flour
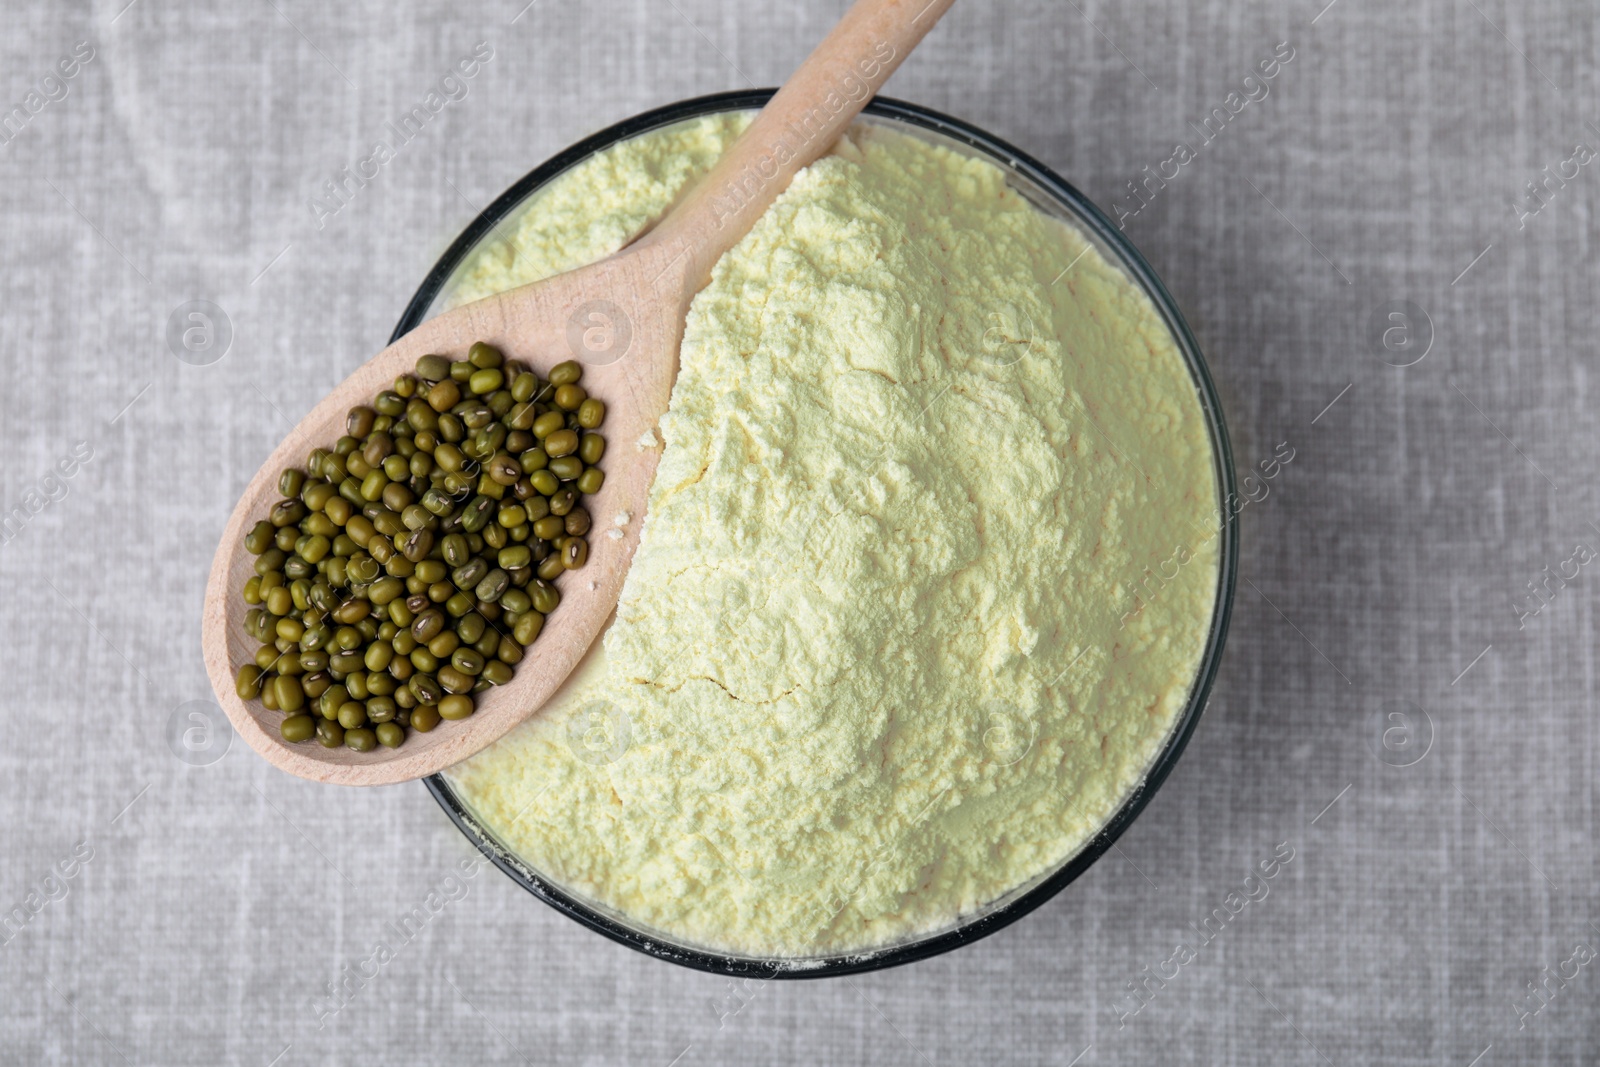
(870, 670)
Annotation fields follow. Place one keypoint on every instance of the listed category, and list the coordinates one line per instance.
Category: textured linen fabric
(1391, 706)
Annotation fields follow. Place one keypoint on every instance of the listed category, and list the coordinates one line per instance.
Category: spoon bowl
(573, 316)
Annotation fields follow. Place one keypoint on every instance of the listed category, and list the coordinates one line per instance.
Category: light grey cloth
(1386, 573)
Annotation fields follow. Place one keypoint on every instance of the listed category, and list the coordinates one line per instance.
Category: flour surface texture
(926, 573)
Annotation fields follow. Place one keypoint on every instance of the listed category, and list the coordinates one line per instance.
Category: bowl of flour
(935, 572)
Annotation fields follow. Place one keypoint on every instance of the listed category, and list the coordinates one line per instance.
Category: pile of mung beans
(407, 568)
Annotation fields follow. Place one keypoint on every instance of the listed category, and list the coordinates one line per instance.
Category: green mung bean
(408, 566)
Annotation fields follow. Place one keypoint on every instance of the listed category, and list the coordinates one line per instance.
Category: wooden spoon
(623, 319)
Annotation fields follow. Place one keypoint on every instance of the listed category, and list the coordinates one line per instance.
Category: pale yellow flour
(927, 570)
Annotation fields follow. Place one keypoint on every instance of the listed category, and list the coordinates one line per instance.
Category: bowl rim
(1044, 888)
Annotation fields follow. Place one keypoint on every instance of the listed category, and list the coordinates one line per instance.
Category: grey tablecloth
(1398, 705)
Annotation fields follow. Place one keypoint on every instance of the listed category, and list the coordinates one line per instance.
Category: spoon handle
(798, 125)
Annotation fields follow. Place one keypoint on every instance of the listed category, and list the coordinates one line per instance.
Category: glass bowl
(1049, 194)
